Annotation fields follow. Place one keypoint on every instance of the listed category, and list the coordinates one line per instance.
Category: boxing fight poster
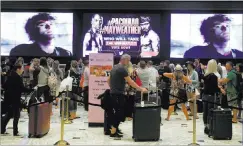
(100, 65)
(135, 34)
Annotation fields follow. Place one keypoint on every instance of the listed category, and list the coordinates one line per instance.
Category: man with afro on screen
(216, 33)
(40, 29)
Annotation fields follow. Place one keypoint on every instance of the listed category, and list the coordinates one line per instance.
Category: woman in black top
(211, 89)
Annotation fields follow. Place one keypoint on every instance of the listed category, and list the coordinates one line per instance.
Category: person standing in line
(154, 77)
(86, 74)
(13, 87)
(59, 75)
(74, 73)
(178, 79)
(211, 89)
(42, 85)
(34, 67)
(191, 89)
(117, 81)
(239, 69)
(231, 89)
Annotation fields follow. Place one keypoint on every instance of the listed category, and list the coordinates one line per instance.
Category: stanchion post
(194, 143)
(67, 121)
(62, 142)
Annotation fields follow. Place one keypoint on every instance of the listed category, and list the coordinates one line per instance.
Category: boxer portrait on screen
(149, 39)
(93, 39)
(216, 33)
(40, 29)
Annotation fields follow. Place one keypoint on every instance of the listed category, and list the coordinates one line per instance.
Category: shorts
(231, 101)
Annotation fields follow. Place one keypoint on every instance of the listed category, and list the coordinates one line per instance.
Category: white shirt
(224, 72)
(154, 74)
(144, 75)
(86, 76)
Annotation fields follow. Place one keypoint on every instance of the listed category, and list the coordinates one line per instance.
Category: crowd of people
(19, 77)
(177, 83)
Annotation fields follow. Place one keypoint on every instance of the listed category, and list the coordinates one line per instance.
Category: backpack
(239, 84)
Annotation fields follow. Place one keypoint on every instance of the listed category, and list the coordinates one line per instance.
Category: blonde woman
(211, 88)
(178, 80)
(59, 74)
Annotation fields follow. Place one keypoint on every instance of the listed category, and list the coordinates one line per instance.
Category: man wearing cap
(149, 40)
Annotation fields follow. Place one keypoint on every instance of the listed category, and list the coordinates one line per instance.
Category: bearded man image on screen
(40, 29)
(216, 33)
(93, 40)
(150, 41)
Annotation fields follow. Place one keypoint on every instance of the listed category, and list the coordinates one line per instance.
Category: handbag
(68, 81)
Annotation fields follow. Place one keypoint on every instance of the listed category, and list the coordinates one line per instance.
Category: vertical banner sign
(100, 65)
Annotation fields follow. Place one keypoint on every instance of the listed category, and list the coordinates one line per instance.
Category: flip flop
(166, 119)
(77, 117)
(234, 122)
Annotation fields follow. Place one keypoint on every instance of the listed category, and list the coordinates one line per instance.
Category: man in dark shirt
(40, 31)
(166, 81)
(12, 98)
(216, 33)
(117, 80)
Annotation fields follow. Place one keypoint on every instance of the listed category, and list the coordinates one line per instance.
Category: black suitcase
(146, 121)
(220, 123)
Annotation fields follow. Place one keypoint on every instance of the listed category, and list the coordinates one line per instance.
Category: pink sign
(100, 65)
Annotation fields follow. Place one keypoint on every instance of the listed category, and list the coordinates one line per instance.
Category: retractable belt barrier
(182, 101)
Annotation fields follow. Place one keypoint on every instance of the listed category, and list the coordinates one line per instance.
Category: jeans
(207, 107)
(116, 113)
(14, 112)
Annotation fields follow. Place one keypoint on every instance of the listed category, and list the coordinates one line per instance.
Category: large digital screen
(134, 34)
(36, 34)
(206, 36)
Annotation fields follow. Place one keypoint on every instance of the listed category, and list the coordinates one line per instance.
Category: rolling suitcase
(146, 120)
(220, 123)
(39, 120)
